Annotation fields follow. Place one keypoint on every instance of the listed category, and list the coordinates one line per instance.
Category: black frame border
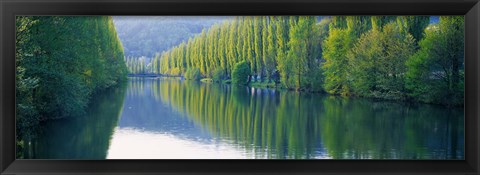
(11, 8)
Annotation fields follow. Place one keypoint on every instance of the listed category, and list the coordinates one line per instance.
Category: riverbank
(272, 85)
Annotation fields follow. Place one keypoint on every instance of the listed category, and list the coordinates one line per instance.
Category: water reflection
(86, 137)
(260, 123)
(174, 119)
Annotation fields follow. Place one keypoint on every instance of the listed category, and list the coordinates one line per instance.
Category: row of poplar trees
(137, 65)
(61, 62)
(390, 57)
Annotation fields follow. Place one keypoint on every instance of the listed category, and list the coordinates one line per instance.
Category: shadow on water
(86, 137)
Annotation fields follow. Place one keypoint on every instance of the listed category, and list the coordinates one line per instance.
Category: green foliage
(138, 65)
(27, 113)
(345, 55)
(264, 84)
(344, 33)
(379, 21)
(241, 72)
(397, 45)
(193, 74)
(270, 46)
(436, 71)
(366, 55)
(416, 26)
(283, 64)
(317, 79)
(218, 75)
(336, 64)
(377, 62)
(303, 51)
(175, 71)
(61, 62)
(356, 26)
(264, 42)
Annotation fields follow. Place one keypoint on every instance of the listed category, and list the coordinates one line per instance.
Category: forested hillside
(144, 36)
(400, 58)
(61, 62)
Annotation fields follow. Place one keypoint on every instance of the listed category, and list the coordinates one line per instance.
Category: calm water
(173, 119)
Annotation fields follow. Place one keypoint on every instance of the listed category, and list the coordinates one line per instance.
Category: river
(169, 118)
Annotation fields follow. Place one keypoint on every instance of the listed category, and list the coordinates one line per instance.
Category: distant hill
(147, 35)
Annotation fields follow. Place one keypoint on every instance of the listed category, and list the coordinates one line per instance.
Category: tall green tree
(378, 62)
(270, 41)
(283, 64)
(344, 33)
(416, 25)
(61, 61)
(336, 62)
(436, 71)
(301, 51)
(258, 45)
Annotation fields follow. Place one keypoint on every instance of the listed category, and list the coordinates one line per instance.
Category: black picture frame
(10, 8)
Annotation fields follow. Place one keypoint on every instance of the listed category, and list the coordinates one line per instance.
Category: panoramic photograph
(240, 87)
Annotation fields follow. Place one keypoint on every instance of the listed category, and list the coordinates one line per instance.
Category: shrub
(218, 75)
(240, 73)
(193, 74)
(175, 71)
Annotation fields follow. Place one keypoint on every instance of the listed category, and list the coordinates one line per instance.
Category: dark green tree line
(61, 62)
